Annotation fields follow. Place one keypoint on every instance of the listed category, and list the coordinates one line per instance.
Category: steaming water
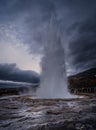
(53, 80)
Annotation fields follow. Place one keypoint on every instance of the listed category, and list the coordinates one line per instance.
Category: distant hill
(88, 73)
(84, 79)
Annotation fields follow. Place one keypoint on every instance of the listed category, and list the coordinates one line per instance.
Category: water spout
(53, 78)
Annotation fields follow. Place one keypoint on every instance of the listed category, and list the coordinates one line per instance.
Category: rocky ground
(26, 113)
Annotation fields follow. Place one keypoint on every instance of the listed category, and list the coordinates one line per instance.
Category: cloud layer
(83, 44)
(12, 73)
(28, 19)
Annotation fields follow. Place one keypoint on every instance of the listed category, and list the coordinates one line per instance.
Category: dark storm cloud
(83, 45)
(76, 19)
(28, 18)
(35, 11)
(11, 72)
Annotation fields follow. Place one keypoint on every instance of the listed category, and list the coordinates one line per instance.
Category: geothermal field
(26, 113)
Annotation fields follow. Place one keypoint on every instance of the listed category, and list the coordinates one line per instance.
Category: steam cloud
(53, 78)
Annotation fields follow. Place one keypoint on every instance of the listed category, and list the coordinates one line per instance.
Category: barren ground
(27, 113)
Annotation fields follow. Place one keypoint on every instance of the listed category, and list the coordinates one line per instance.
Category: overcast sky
(23, 24)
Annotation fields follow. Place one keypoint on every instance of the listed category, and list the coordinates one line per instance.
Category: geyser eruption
(53, 78)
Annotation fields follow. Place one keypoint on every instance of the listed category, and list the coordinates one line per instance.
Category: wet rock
(25, 113)
(89, 127)
(53, 112)
(78, 126)
(71, 126)
(93, 109)
(83, 127)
